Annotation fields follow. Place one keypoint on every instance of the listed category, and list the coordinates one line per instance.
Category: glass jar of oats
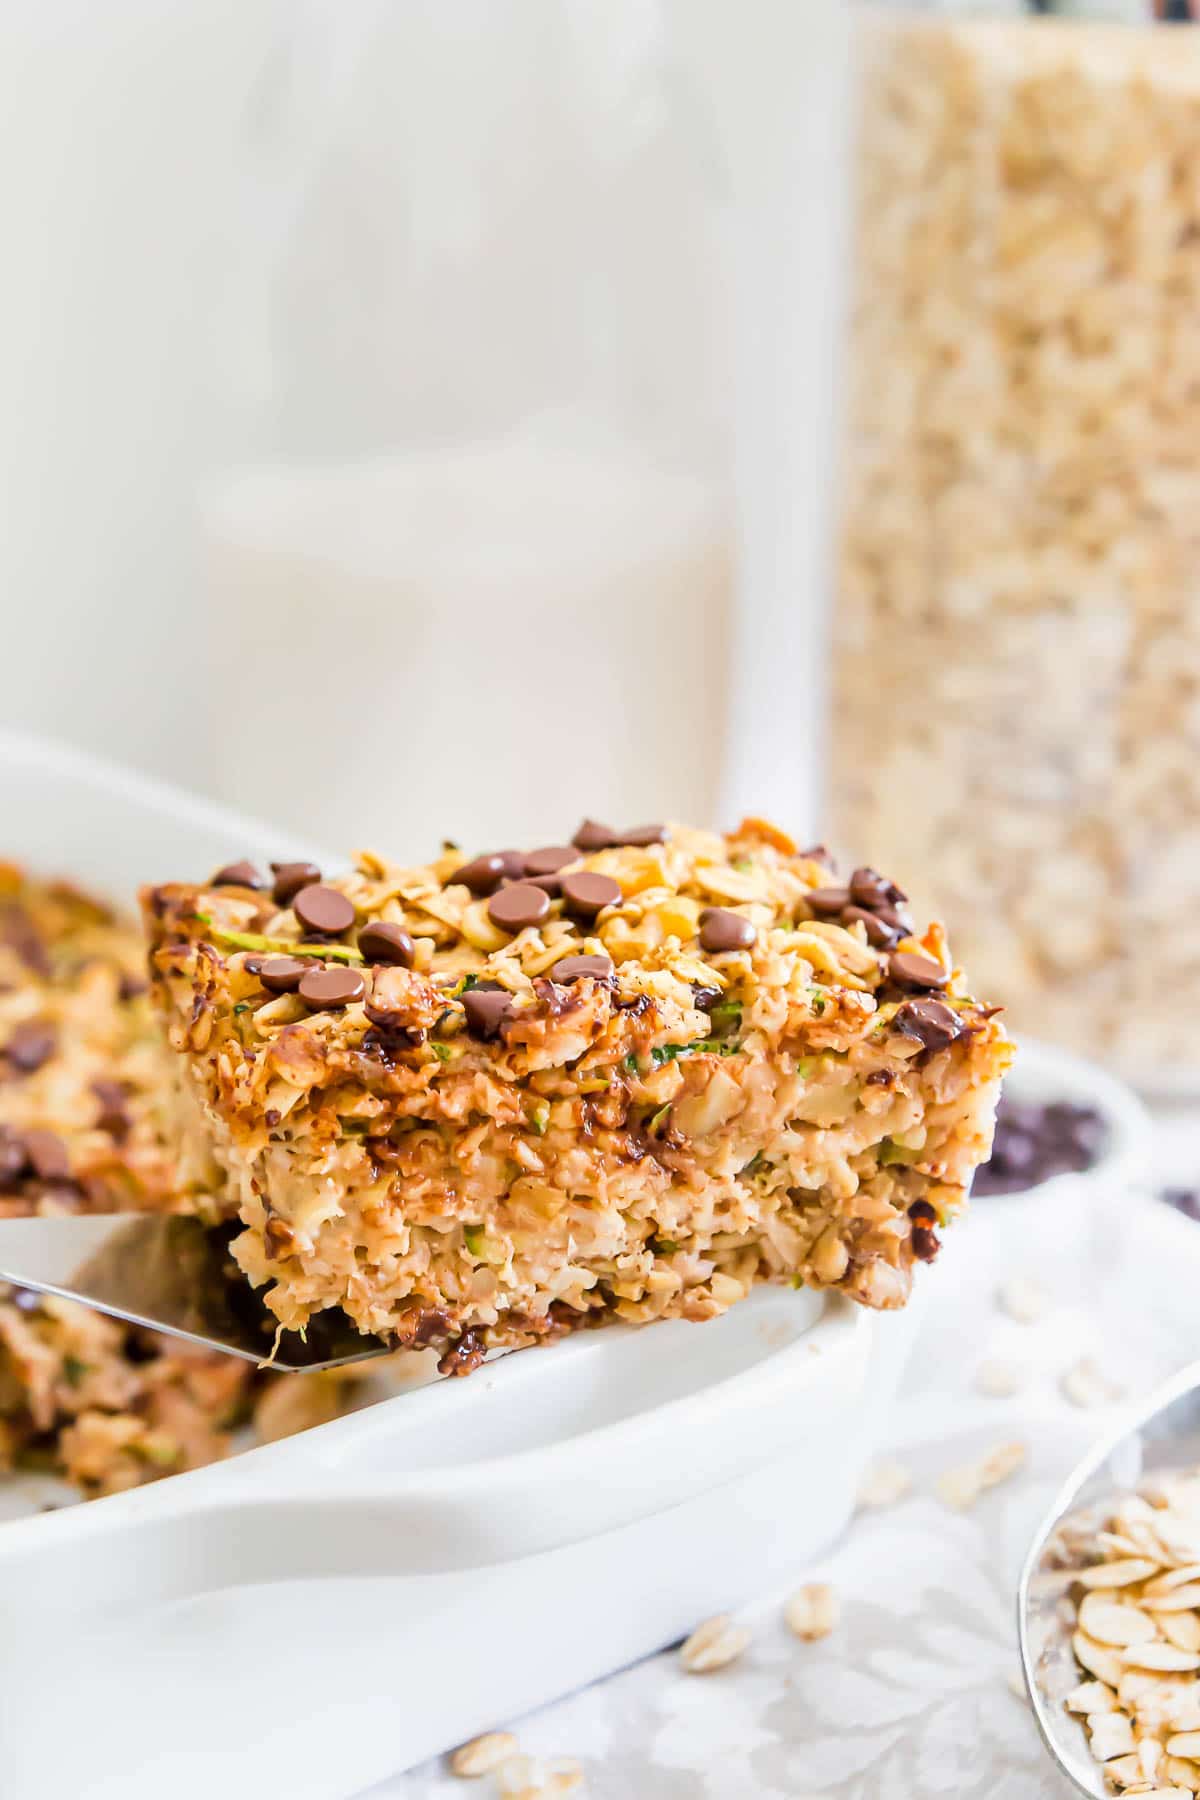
(1017, 633)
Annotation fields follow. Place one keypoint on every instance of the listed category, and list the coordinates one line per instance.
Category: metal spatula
(174, 1275)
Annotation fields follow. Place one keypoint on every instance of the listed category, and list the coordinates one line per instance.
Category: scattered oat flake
(999, 1379)
(713, 1645)
(813, 1611)
(483, 1754)
(884, 1484)
(519, 1778)
(960, 1487)
(1023, 1299)
(1084, 1384)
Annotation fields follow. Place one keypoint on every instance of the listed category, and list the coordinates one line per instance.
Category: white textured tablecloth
(909, 1698)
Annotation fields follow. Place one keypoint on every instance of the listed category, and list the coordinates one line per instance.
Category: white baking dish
(318, 1614)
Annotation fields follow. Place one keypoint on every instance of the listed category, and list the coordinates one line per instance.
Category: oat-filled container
(1017, 638)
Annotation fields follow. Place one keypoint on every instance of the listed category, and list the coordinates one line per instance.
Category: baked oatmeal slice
(486, 1101)
(83, 1111)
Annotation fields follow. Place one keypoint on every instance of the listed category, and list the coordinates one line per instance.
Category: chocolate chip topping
(238, 874)
(828, 903)
(330, 989)
(383, 943)
(290, 878)
(323, 909)
(585, 893)
(32, 1043)
(639, 836)
(908, 970)
(722, 930)
(48, 1155)
(549, 884)
(581, 968)
(13, 1160)
(925, 1243)
(594, 836)
(878, 931)
(550, 860)
(282, 974)
(931, 1022)
(482, 876)
(486, 1009)
(518, 905)
(1037, 1139)
(871, 889)
(114, 1106)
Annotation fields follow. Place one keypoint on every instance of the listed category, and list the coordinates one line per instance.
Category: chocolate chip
(705, 998)
(828, 903)
(722, 930)
(290, 878)
(238, 874)
(871, 889)
(482, 876)
(594, 836)
(14, 1160)
(896, 918)
(931, 1022)
(132, 987)
(283, 974)
(32, 1043)
(925, 1243)
(48, 1154)
(486, 1009)
(581, 968)
(585, 893)
(909, 970)
(879, 933)
(819, 853)
(550, 860)
(922, 1213)
(323, 909)
(383, 943)
(329, 989)
(114, 1106)
(549, 884)
(518, 905)
(1035, 1140)
(639, 836)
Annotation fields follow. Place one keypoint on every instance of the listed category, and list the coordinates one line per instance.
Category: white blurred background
(418, 415)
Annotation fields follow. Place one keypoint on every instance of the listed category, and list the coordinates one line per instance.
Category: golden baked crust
(483, 1141)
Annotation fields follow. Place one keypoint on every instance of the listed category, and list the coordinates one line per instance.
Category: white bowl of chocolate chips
(1072, 1143)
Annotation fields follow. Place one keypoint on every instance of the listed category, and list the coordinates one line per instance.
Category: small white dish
(1077, 1213)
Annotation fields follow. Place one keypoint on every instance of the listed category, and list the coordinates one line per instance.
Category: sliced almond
(1097, 1659)
(1122, 1573)
(1181, 1629)
(1185, 1743)
(1158, 1656)
(1173, 1578)
(1090, 1697)
(1178, 1599)
(1110, 1734)
(1113, 1622)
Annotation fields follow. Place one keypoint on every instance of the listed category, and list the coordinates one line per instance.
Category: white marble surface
(909, 1698)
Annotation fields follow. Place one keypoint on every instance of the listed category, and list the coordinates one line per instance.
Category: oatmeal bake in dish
(489, 1100)
(82, 1128)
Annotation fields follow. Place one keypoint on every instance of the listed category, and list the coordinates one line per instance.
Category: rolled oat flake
(721, 930)
(585, 894)
(330, 989)
(323, 909)
(519, 905)
(384, 943)
(282, 974)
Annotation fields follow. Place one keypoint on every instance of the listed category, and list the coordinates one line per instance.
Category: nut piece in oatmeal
(623, 1078)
